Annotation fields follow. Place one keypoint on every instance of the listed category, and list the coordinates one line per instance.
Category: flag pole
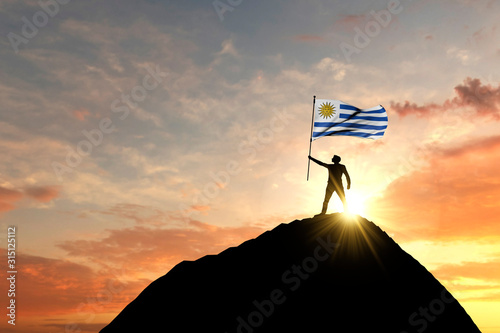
(310, 139)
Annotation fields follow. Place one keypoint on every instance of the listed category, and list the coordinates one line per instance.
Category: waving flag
(333, 117)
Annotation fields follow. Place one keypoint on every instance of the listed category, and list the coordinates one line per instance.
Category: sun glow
(356, 203)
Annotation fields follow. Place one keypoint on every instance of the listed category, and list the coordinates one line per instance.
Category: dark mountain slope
(330, 273)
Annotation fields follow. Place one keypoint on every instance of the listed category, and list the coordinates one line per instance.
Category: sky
(138, 134)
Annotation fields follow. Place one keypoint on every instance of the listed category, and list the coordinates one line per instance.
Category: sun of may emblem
(326, 110)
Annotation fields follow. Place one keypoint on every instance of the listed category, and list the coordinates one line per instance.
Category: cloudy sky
(137, 134)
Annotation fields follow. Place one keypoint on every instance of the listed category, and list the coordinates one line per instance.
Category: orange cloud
(349, 22)
(52, 286)
(456, 196)
(308, 38)
(81, 114)
(137, 213)
(42, 193)
(483, 99)
(486, 272)
(479, 145)
(158, 249)
(5, 207)
(39, 193)
(200, 208)
(8, 197)
(54, 293)
(489, 271)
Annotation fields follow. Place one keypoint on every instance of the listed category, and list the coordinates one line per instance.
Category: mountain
(331, 273)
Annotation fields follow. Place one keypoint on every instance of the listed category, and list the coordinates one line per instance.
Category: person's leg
(341, 194)
(328, 195)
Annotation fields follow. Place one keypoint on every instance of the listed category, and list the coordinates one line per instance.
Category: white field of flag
(334, 117)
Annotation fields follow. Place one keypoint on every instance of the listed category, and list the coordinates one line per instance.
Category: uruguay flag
(332, 117)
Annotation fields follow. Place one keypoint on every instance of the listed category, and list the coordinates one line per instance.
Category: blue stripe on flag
(348, 107)
(374, 111)
(356, 117)
(352, 125)
(348, 133)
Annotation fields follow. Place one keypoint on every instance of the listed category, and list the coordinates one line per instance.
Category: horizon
(140, 134)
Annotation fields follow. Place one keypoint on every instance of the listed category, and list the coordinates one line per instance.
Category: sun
(356, 203)
(326, 110)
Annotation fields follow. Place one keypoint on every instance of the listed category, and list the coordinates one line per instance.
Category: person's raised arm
(347, 178)
(317, 162)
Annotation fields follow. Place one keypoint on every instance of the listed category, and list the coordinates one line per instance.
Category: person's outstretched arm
(347, 178)
(316, 161)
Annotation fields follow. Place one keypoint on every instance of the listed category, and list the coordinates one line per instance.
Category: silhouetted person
(335, 172)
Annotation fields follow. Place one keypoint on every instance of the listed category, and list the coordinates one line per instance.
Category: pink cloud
(483, 98)
(407, 108)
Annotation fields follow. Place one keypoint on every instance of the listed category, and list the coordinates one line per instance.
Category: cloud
(228, 48)
(349, 22)
(150, 251)
(484, 99)
(200, 208)
(478, 280)
(488, 271)
(81, 114)
(81, 327)
(308, 38)
(473, 146)
(57, 287)
(42, 193)
(8, 197)
(454, 196)
(140, 214)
